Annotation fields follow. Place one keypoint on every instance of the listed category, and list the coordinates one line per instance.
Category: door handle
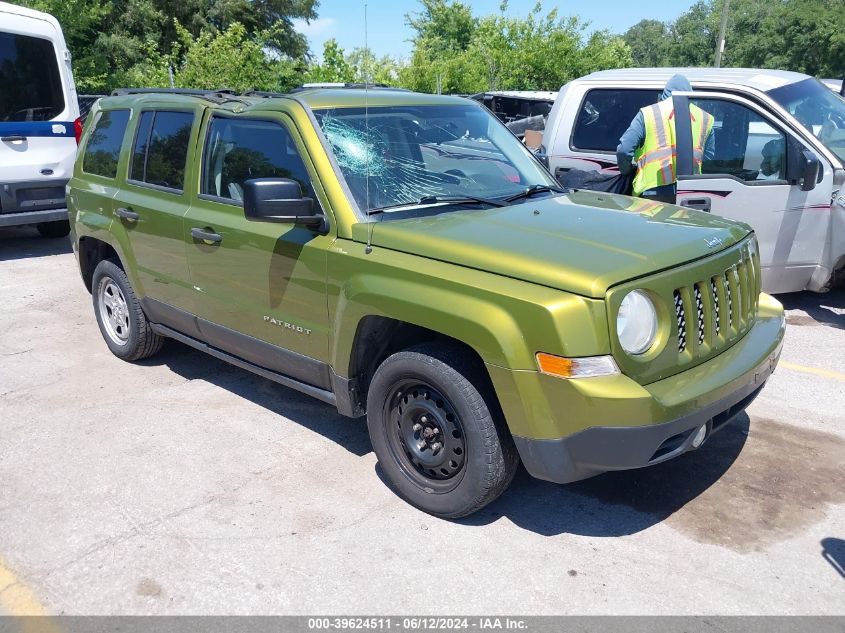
(206, 236)
(699, 204)
(127, 214)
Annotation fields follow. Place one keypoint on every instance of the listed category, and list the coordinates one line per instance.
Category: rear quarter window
(30, 83)
(605, 114)
(103, 147)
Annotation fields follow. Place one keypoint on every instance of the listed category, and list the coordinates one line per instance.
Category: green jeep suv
(404, 257)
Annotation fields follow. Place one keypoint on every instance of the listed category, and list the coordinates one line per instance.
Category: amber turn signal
(586, 367)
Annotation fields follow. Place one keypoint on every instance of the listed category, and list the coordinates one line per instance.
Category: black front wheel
(442, 446)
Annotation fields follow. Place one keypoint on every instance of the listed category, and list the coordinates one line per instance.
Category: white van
(779, 161)
(39, 120)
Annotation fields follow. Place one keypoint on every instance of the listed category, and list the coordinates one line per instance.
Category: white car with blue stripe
(39, 120)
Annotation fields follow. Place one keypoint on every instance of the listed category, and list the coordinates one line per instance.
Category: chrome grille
(727, 286)
(682, 322)
(717, 317)
(724, 306)
(699, 313)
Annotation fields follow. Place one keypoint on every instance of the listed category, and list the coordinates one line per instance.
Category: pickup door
(747, 180)
(744, 181)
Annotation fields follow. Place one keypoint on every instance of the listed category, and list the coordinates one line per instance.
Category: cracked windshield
(400, 157)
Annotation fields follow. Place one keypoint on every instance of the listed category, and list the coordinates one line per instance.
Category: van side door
(38, 113)
(747, 180)
(150, 207)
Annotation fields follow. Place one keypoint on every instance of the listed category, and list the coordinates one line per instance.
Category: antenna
(367, 148)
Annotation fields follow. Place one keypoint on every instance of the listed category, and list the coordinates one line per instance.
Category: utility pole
(720, 46)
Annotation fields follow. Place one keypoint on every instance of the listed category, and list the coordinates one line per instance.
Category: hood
(582, 242)
(676, 83)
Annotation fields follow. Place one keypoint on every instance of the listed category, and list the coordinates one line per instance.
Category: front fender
(506, 321)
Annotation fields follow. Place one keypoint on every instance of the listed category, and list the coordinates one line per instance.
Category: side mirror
(803, 168)
(279, 200)
(541, 155)
(810, 166)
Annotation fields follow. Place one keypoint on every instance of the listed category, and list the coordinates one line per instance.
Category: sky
(388, 34)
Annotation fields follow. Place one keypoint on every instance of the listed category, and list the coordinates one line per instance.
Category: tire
(433, 393)
(54, 229)
(122, 322)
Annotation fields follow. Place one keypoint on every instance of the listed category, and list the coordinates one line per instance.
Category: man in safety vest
(649, 144)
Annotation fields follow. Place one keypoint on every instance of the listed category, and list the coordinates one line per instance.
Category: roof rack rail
(347, 85)
(211, 95)
(265, 93)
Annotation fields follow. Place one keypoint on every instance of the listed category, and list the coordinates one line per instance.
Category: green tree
(694, 35)
(443, 27)
(225, 59)
(800, 35)
(272, 18)
(366, 66)
(650, 42)
(114, 41)
(540, 51)
(334, 67)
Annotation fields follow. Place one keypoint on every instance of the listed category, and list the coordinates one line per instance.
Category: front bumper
(616, 424)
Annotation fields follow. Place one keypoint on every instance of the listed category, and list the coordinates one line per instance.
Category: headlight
(636, 322)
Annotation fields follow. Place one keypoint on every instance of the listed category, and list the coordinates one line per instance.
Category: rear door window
(30, 83)
(103, 148)
(160, 150)
(604, 116)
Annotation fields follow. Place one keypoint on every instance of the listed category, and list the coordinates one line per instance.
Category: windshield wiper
(461, 200)
(530, 191)
(441, 199)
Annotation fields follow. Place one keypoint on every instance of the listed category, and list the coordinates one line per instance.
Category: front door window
(746, 145)
(243, 149)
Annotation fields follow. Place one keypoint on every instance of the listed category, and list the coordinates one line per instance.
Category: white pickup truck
(778, 163)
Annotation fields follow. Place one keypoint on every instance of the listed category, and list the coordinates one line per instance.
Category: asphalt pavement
(183, 485)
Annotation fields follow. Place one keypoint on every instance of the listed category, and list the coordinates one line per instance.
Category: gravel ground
(183, 485)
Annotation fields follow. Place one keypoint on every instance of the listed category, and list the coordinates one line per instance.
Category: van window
(30, 79)
(746, 145)
(239, 150)
(604, 116)
(161, 149)
(103, 147)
